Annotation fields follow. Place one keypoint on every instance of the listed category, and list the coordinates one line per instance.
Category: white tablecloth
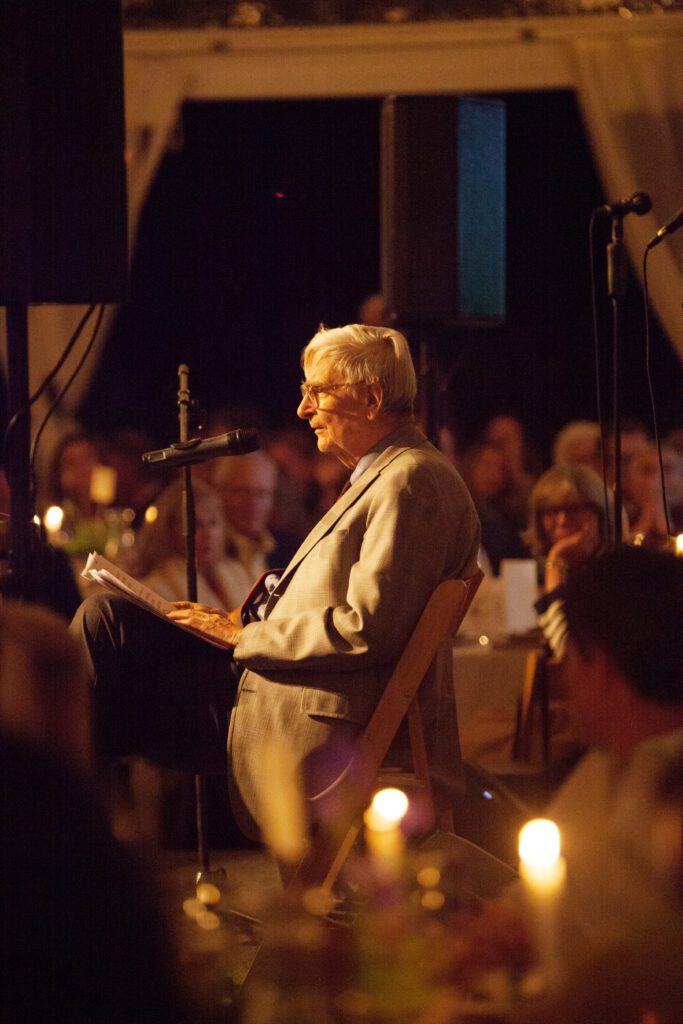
(488, 682)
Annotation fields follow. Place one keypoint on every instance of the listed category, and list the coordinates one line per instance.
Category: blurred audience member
(159, 556)
(625, 692)
(237, 416)
(330, 476)
(44, 693)
(485, 472)
(568, 526)
(618, 814)
(157, 804)
(247, 484)
(674, 440)
(223, 420)
(579, 442)
(79, 507)
(450, 439)
(372, 311)
(643, 497)
(75, 464)
(83, 937)
(296, 496)
(55, 585)
(136, 485)
(521, 459)
(70, 475)
(633, 438)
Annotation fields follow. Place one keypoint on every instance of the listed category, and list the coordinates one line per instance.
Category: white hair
(363, 355)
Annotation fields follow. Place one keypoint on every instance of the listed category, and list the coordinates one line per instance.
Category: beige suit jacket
(342, 612)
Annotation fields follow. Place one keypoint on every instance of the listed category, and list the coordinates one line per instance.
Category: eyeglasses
(311, 391)
(553, 511)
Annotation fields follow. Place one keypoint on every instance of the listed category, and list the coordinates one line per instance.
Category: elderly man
(315, 645)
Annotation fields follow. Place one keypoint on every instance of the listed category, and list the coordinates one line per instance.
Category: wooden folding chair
(328, 851)
(531, 743)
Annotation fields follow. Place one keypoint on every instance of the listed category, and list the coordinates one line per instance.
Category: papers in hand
(99, 570)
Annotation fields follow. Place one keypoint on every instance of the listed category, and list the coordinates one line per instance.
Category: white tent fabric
(631, 96)
(628, 76)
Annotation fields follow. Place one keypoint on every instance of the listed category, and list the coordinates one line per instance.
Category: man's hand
(212, 622)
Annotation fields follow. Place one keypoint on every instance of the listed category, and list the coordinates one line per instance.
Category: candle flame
(539, 843)
(53, 518)
(387, 809)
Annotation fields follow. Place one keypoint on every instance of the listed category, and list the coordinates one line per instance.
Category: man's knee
(88, 614)
(101, 620)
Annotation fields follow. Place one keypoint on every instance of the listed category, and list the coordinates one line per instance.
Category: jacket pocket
(325, 704)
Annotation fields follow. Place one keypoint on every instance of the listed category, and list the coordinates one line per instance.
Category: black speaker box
(63, 219)
(443, 210)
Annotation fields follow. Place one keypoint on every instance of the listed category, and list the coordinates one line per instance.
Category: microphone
(182, 453)
(639, 203)
(673, 224)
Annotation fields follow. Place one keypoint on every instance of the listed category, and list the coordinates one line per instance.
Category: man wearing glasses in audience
(313, 646)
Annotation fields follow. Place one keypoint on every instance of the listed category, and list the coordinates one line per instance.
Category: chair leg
(322, 863)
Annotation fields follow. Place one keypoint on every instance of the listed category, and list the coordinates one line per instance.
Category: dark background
(264, 222)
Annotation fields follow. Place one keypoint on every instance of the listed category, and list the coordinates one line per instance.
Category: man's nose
(305, 408)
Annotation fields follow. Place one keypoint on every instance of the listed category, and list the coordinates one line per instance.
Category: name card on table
(520, 591)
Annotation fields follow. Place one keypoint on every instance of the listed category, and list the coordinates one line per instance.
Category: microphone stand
(616, 290)
(189, 530)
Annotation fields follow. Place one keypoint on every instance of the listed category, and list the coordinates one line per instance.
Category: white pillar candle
(52, 521)
(543, 872)
(383, 835)
(103, 485)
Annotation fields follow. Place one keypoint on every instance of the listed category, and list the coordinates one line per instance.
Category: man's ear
(375, 400)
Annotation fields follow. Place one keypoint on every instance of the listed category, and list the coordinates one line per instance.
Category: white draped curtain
(631, 96)
(629, 81)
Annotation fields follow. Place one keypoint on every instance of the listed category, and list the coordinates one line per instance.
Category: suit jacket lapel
(408, 437)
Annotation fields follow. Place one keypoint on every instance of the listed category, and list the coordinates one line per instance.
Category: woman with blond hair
(568, 525)
(159, 559)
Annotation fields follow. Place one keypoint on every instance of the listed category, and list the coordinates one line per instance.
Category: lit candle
(281, 800)
(679, 545)
(52, 521)
(103, 485)
(382, 832)
(543, 873)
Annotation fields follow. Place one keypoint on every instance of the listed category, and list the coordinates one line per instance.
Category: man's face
(248, 493)
(338, 416)
(209, 534)
(583, 683)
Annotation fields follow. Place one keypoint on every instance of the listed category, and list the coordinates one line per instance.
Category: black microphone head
(246, 439)
(640, 203)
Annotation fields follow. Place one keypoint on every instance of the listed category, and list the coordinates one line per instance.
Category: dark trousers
(158, 691)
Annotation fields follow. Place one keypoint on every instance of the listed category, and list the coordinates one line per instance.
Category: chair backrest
(442, 615)
(441, 618)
